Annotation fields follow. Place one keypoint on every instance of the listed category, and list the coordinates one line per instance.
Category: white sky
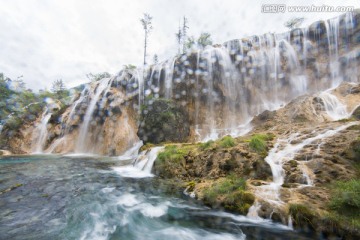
(45, 40)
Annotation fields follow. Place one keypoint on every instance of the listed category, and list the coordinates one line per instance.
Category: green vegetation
(203, 40)
(294, 22)
(173, 157)
(227, 142)
(229, 193)
(172, 153)
(346, 199)
(293, 163)
(19, 105)
(190, 185)
(97, 76)
(147, 146)
(301, 215)
(344, 206)
(206, 145)
(258, 142)
(162, 120)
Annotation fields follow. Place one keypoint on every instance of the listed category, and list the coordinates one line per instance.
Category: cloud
(48, 40)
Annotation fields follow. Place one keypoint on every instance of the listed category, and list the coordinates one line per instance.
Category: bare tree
(146, 23)
(184, 31)
(294, 22)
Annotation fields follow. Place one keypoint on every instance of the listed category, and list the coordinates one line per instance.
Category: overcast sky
(45, 40)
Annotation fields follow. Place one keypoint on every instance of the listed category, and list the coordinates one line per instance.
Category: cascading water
(41, 132)
(223, 87)
(82, 142)
(333, 107)
(284, 151)
(142, 165)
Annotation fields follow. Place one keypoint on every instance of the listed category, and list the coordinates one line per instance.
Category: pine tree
(147, 25)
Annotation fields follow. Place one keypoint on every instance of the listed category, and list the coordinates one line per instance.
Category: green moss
(172, 153)
(293, 163)
(354, 127)
(172, 159)
(345, 120)
(146, 146)
(346, 197)
(206, 145)
(301, 215)
(13, 123)
(230, 193)
(238, 201)
(191, 186)
(227, 142)
(257, 144)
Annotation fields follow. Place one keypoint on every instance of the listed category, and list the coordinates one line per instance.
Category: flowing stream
(285, 150)
(41, 132)
(79, 197)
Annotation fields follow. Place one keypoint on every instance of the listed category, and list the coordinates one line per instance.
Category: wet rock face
(164, 121)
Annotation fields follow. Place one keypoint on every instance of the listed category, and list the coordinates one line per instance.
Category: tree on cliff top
(147, 25)
(184, 31)
(178, 36)
(203, 41)
(294, 22)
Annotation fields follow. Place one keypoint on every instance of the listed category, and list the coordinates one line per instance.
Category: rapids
(80, 197)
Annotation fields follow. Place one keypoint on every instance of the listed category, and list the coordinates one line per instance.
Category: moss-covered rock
(356, 113)
(164, 121)
(229, 193)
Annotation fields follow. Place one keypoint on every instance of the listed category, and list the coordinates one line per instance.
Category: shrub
(227, 142)
(346, 197)
(301, 214)
(13, 123)
(257, 143)
(172, 153)
(206, 145)
(230, 193)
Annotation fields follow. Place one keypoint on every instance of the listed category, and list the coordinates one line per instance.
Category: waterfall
(222, 87)
(41, 132)
(333, 107)
(169, 72)
(146, 163)
(141, 166)
(82, 142)
(81, 98)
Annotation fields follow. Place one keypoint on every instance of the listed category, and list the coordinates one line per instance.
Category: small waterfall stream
(42, 132)
(283, 151)
(142, 165)
(333, 107)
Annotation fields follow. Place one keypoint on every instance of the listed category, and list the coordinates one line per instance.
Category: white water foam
(142, 166)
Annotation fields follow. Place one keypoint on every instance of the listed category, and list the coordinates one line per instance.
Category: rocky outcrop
(163, 121)
(312, 165)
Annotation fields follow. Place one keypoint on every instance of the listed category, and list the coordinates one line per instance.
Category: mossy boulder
(230, 194)
(163, 121)
(356, 113)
